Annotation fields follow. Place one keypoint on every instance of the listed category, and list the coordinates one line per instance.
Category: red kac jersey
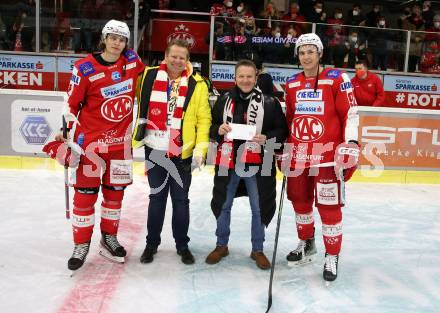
(319, 121)
(102, 98)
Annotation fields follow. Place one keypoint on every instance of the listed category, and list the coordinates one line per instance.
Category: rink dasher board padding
(29, 119)
(361, 175)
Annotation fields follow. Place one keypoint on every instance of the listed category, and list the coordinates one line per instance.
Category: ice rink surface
(390, 260)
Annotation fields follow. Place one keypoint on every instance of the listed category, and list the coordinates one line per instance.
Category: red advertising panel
(412, 92)
(194, 32)
(27, 72)
(410, 140)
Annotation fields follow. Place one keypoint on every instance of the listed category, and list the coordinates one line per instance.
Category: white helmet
(117, 28)
(309, 39)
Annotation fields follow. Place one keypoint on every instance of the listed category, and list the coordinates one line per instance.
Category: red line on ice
(98, 281)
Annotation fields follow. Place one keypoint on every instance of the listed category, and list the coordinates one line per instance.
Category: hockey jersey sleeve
(290, 110)
(346, 107)
(76, 94)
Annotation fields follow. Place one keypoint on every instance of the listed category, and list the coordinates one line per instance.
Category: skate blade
(304, 261)
(116, 259)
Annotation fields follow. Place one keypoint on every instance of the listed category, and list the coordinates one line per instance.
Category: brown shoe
(217, 254)
(260, 259)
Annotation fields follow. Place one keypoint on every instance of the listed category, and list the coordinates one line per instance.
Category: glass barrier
(17, 26)
(424, 52)
(75, 27)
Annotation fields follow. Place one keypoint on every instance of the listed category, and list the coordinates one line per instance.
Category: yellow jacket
(196, 119)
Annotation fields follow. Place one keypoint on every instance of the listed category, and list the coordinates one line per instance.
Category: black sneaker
(186, 256)
(79, 255)
(148, 254)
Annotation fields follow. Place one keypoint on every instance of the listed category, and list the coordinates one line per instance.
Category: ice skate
(330, 272)
(303, 254)
(78, 257)
(111, 249)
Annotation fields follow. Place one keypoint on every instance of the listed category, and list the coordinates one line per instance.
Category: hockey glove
(346, 159)
(68, 154)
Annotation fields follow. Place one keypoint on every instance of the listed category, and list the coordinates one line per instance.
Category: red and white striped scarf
(158, 109)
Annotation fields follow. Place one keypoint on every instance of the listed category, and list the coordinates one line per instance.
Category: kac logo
(307, 128)
(117, 108)
(35, 130)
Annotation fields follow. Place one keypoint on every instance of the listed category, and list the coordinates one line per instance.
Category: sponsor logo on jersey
(310, 107)
(130, 65)
(75, 79)
(117, 89)
(327, 194)
(117, 108)
(346, 86)
(130, 55)
(308, 94)
(116, 76)
(333, 73)
(96, 77)
(292, 78)
(325, 82)
(307, 128)
(86, 68)
(295, 84)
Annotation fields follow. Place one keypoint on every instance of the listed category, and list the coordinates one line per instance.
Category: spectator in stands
(415, 24)
(373, 16)
(368, 87)
(243, 11)
(289, 46)
(354, 16)
(83, 36)
(335, 39)
(317, 15)
(269, 14)
(378, 45)
(293, 17)
(434, 29)
(356, 49)
(219, 42)
(62, 32)
(272, 52)
(429, 62)
(23, 28)
(427, 14)
(243, 46)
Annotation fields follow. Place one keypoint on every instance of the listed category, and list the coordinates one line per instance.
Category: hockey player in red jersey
(99, 114)
(323, 145)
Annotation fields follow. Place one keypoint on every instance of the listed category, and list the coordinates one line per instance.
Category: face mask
(360, 73)
(407, 12)
(318, 10)
(239, 9)
(354, 39)
(249, 27)
(277, 35)
(338, 16)
(437, 24)
(355, 13)
(229, 4)
(382, 23)
(425, 9)
(289, 36)
(376, 10)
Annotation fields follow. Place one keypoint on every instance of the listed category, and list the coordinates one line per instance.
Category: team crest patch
(307, 85)
(333, 73)
(116, 76)
(86, 69)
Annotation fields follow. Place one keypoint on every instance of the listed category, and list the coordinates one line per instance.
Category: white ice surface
(390, 260)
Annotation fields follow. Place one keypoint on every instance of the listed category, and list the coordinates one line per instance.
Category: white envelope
(241, 131)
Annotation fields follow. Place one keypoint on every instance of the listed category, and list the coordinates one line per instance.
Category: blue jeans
(224, 220)
(163, 179)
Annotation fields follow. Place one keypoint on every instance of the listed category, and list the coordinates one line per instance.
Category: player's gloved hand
(346, 159)
(68, 154)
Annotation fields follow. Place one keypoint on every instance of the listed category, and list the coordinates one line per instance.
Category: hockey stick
(66, 175)
(272, 269)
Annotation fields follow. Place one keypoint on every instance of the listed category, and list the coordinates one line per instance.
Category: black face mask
(249, 27)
